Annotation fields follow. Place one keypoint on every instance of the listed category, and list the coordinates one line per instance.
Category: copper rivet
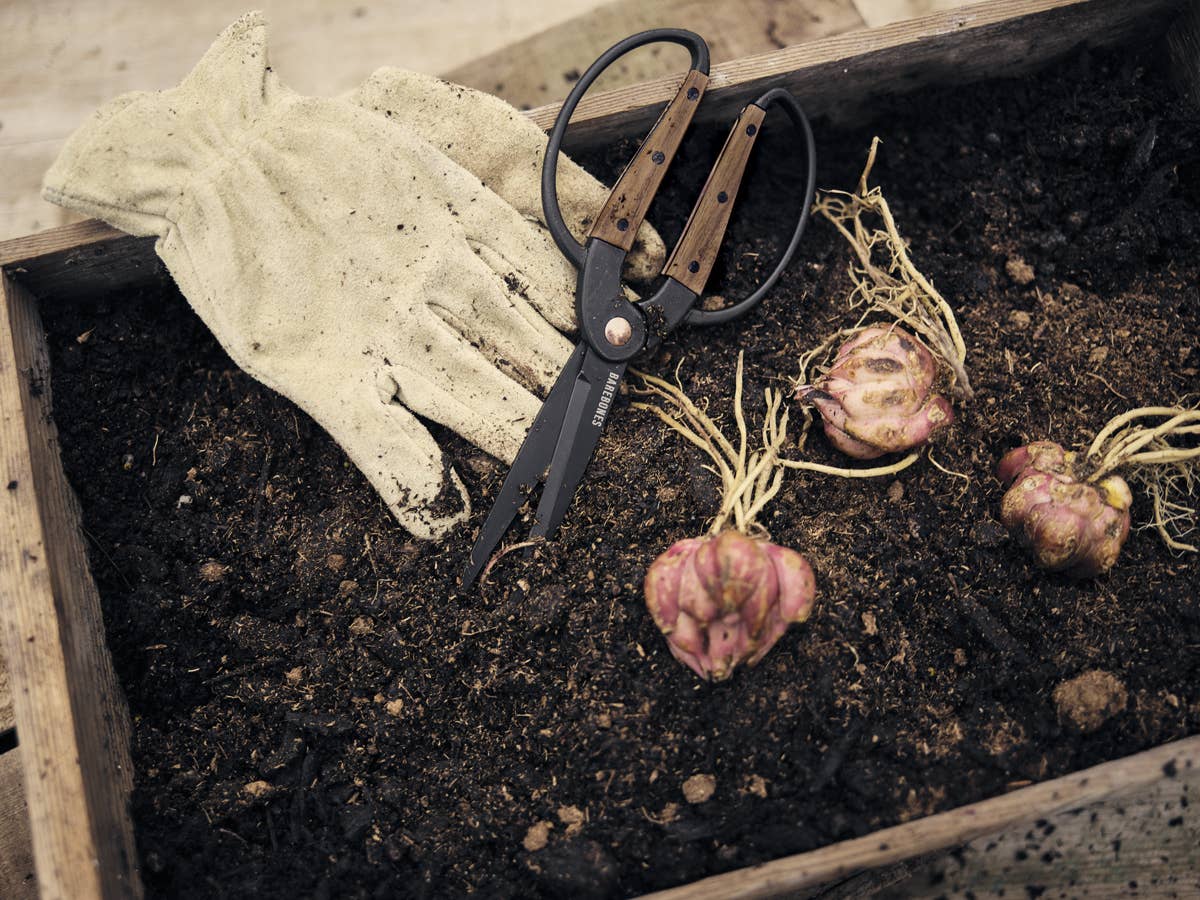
(618, 331)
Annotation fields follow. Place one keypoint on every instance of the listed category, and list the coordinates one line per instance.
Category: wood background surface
(64, 58)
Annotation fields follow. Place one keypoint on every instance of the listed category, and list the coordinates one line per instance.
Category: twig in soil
(989, 627)
(256, 666)
(835, 756)
(503, 552)
(117, 569)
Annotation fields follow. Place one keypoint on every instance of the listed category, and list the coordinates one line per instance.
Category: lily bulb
(1071, 526)
(878, 395)
(726, 599)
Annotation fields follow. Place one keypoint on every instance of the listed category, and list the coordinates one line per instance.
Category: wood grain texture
(8, 719)
(693, 258)
(843, 74)
(64, 58)
(71, 718)
(622, 214)
(541, 69)
(884, 12)
(838, 73)
(17, 881)
(1147, 773)
(82, 258)
(1143, 842)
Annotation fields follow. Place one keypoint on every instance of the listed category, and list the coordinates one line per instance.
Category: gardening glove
(344, 261)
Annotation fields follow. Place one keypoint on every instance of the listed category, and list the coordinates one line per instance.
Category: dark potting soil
(318, 712)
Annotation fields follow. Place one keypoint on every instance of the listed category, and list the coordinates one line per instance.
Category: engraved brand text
(610, 387)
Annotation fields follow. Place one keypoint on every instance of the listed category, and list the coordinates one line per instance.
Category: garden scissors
(612, 329)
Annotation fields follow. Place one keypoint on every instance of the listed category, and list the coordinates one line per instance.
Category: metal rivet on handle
(693, 266)
(692, 93)
(618, 331)
(658, 156)
(722, 197)
(622, 224)
(751, 129)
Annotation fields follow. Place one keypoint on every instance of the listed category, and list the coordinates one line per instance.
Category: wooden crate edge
(941, 831)
(840, 74)
(72, 723)
(829, 74)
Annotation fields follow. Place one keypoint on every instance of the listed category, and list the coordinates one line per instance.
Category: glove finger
(387, 443)
(524, 258)
(503, 148)
(488, 307)
(442, 377)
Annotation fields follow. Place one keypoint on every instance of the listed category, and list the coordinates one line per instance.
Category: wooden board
(1144, 774)
(1143, 842)
(885, 12)
(829, 75)
(8, 720)
(82, 258)
(63, 58)
(71, 719)
(17, 881)
(542, 69)
(841, 75)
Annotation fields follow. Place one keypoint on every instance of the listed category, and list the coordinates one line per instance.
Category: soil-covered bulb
(1071, 526)
(726, 599)
(878, 395)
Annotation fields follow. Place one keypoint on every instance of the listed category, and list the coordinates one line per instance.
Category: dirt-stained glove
(344, 260)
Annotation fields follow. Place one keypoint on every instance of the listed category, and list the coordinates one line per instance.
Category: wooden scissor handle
(692, 260)
(626, 206)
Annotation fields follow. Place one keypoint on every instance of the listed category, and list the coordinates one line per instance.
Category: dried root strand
(892, 285)
(749, 480)
(1154, 456)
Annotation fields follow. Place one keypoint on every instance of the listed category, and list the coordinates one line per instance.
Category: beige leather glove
(344, 260)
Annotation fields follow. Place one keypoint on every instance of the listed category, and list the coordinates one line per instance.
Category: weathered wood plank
(17, 881)
(83, 258)
(71, 718)
(541, 69)
(8, 719)
(1143, 842)
(997, 37)
(1131, 776)
(63, 58)
(842, 74)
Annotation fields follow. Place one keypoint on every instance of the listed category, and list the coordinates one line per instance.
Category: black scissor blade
(592, 396)
(528, 468)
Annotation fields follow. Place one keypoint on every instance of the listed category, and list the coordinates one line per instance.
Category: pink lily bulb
(1071, 526)
(878, 395)
(726, 599)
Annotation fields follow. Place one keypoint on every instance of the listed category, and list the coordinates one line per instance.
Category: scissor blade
(591, 398)
(528, 468)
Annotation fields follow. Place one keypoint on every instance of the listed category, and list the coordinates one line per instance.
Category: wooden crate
(64, 789)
